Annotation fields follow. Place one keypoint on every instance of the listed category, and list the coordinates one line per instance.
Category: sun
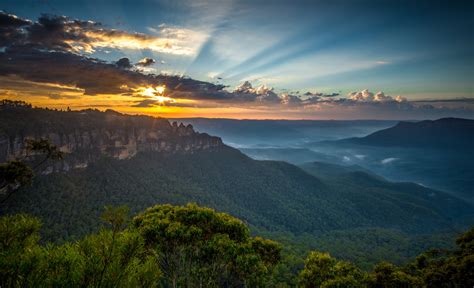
(155, 93)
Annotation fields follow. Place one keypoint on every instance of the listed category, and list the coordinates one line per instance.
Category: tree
(198, 247)
(111, 258)
(440, 268)
(20, 171)
(387, 275)
(322, 270)
(19, 235)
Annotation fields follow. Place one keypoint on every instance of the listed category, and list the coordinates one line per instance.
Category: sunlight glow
(155, 93)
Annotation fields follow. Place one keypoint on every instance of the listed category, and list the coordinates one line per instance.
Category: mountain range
(115, 159)
(444, 133)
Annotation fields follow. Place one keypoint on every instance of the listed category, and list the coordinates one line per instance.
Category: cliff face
(85, 136)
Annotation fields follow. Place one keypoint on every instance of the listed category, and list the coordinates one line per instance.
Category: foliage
(387, 275)
(43, 147)
(107, 259)
(20, 172)
(448, 268)
(198, 246)
(15, 174)
(192, 246)
(322, 270)
(18, 248)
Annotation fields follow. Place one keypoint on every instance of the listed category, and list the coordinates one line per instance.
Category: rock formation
(87, 135)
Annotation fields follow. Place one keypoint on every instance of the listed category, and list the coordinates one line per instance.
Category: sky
(283, 59)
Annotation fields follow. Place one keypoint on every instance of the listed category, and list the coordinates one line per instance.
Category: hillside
(445, 133)
(290, 155)
(437, 154)
(271, 196)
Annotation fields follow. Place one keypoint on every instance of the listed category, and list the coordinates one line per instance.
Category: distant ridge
(441, 133)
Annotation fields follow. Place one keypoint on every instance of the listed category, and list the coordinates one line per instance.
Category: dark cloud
(289, 99)
(11, 28)
(330, 95)
(61, 33)
(124, 63)
(146, 62)
(12, 21)
(96, 76)
(318, 94)
(145, 103)
(92, 75)
(46, 51)
(49, 32)
(454, 100)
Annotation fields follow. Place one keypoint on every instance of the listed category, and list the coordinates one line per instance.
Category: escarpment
(87, 135)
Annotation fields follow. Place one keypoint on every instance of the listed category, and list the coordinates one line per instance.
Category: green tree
(198, 247)
(112, 258)
(387, 275)
(441, 268)
(322, 270)
(19, 235)
(20, 171)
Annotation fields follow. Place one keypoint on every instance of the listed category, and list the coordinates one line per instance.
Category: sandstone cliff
(87, 135)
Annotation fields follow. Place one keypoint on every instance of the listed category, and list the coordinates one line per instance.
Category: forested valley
(192, 246)
(74, 213)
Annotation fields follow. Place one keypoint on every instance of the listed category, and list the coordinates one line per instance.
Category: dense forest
(258, 192)
(192, 246)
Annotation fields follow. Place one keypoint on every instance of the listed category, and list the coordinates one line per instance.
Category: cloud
(45, 56)
(124, 63)
(58, 96)
(11, 28)
(262, 93)
(388, 160)
(90, 76)
(367, 96)
(318, 94)
(453, 100)
(146, 103)
(287, 99)
(65, 34)
(146, 62)
(93, 75)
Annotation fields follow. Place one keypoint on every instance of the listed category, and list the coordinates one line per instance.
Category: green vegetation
(20, 171)
(168, 246)
(322, 270)
(276, 199)
(197, 246)
(191, 246)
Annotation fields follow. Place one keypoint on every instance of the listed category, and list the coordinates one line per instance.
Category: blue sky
(417, 49)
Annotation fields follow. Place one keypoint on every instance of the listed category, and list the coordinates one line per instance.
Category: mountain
(90, 134)
(333, 171)
(272, 197)
(436, 154)
(283, 133)
(445, 133)
(290, 155)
